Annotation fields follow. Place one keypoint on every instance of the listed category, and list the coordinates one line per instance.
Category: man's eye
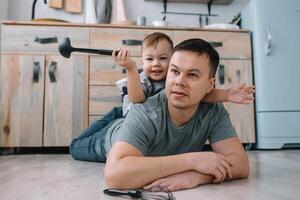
(193, 75)
(174, 71)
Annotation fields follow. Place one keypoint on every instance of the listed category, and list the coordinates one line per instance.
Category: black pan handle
(95, 51)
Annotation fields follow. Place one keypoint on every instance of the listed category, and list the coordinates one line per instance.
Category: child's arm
(134, 87)
(241, 94)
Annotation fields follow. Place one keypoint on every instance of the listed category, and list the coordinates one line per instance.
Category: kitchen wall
(21, 10)
(3, 13)
(3, 9)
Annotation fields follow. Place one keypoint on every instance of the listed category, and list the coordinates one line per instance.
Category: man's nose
(180, 80)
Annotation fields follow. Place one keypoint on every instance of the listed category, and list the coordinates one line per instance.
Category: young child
(156, 53)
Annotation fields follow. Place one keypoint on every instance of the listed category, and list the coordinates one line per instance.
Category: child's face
(156, 60)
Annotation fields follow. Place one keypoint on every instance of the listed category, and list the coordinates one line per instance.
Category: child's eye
(164, 58)
(149, 59)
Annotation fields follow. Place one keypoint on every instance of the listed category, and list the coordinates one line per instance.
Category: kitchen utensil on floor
(55, 4)
(65, 49)
(141, 194)
(73, 6)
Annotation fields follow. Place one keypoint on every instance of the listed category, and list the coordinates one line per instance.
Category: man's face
(156, 60)
(188, 80)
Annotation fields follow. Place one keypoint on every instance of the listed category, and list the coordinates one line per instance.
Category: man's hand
(212, 163)
(123, 59)
(241, 94)
(185, 180)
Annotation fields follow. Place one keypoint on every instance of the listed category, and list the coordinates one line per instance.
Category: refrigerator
(275, 27)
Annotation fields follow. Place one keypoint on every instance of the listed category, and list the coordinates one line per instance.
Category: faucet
(33, 8)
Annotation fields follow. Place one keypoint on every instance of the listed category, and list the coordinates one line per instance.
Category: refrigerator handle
(268, 44)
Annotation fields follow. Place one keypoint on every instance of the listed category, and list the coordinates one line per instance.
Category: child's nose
(156, 62)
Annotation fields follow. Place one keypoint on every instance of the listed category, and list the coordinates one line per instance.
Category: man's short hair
(154, 38)
(201, 47)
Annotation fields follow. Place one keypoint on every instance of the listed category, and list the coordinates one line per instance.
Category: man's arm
(233, 152)
(181, 181)
(126, 167)
(235, 155)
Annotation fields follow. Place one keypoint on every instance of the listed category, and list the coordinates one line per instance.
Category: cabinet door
(66, 99)
(235, 72)
(21, 100)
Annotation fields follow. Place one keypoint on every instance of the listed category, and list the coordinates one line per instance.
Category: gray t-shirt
(149, 128)
(150, 88)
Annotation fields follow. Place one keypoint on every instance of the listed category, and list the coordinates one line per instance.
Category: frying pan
(65, 49)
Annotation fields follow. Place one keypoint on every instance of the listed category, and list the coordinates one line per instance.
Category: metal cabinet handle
(124, 71)
(216, 44)
(221, 74)
(268, 43)
(52, 70)
(36, 72)
(132, 42)
(45, 40)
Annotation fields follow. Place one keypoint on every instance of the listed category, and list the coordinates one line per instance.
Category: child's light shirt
(150, 88)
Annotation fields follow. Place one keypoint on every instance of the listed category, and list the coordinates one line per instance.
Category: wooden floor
(273, 175)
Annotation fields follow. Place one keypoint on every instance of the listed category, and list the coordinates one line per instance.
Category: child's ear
(211, 86)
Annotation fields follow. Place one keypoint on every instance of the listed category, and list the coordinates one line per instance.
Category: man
(159, 142)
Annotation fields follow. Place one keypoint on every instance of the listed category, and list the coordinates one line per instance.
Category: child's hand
(123, 59)
(241, 94)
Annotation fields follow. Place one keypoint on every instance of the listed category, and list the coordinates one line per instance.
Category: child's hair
(201, 47)
(154, 38)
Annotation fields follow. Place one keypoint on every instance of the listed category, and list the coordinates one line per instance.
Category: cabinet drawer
(104, 71)
(114, 38)
(41, 39)
(103, 99)
(234, 45)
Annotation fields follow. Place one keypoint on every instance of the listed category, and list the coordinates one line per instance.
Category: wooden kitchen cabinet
(45, 111)
(48, 113)
(43, 96)
(234, 48)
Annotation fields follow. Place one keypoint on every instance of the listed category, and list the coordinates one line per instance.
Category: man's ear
(211, 86)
